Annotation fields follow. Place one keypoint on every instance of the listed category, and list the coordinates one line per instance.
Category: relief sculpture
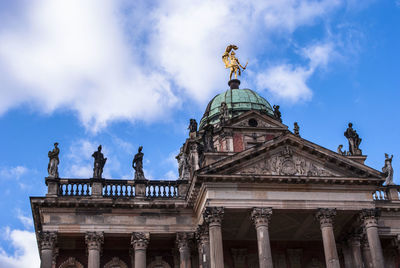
(285, 163)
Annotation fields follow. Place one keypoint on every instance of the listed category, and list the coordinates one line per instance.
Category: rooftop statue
(99, 162)
(52, 167)
(230, 60)
(192, 128)
(277, 113)
(354, 140)
(339, 150)
(183, 163)
(296, 129)
(137, 164)
(388, 170)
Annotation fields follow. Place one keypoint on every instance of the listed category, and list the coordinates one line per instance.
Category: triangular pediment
(262, 121)
(289, 155)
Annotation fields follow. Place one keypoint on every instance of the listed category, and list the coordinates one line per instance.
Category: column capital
(47, 240)
(94, 240)
(214, 215)
(261, 216)
(370, 217)
(202, 234)
(139, 240)
(183, 239)
(325, 216)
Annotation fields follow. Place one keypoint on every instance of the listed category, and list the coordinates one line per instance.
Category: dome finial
(232, 62)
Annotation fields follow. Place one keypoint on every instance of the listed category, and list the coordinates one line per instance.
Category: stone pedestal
(140, 188)
(139, 242)
(355, 245)
(183, 240)
(97, 187)
(52, 186)
(392, 193)
(370, 218)
(94, 240)
(325, 217)
(213, 216)
(203, 244)
(261, 217)
(47, 242)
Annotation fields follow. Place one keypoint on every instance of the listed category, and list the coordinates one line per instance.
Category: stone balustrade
(116, 188)
(386, 193)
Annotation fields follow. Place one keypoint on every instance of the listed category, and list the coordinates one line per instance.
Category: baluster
(87, 188)
(123, 193)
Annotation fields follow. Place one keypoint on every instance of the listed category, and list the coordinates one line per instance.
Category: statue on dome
(52, 167)
(192, 128)
(230, 60)
(99, 162)
(277, 113)
(388, 170)
(223, 113)
(354, 140)
(137, 164)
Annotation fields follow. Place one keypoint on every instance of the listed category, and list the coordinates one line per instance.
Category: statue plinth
(234, 83)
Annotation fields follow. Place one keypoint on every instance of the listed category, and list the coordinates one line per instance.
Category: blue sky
(124, 74)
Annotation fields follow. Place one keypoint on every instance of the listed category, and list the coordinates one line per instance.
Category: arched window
(115, 263)
(71, 262)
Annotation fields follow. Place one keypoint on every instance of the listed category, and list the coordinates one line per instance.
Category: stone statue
(192, 128)
(277, 113)
(296, 129)
(388, 170)
(232, 62)
(354, 140)
(208, 138)
(52, 167)
(137, 164)
(339, 150)
(99, 162)
(223, 113)
(183, 165)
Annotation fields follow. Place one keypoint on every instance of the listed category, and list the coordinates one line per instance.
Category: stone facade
(263, 197)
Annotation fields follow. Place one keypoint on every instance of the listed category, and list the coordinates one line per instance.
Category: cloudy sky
(128, 73)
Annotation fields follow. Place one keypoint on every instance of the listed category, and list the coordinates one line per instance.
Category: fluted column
(94, 240)
(47, 242)
(355, 245)
(261, 217)
(366, 253)
(370, 218)
(183, 240)
(203, 244)
(213, 216)
(325, 217)
(139, 241)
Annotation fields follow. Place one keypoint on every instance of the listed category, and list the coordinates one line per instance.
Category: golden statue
(232, 62)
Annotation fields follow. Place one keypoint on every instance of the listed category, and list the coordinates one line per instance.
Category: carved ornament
(261, 216)
(139, 241)
(326, 216)
(94, 240)
(47, 240)
(214, 215)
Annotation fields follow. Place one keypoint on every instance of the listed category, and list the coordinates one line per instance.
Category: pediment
(288, 155)
(263, 121)
(289, 162)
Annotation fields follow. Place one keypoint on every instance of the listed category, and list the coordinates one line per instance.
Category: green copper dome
(238, 102)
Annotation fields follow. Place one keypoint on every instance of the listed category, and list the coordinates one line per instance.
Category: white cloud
(25, 220)
(26, 253)
(289, 82)
(13, 172)
(120, 60)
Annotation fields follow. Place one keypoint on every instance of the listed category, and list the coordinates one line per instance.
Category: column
(94, 240)
(325, 217)
(183, 240)
(366, 252)
(355, 245)
(261, 217)
(347, 254)
(370, 218)
(47, 242)
(203, 243)
(139, 241)
(239, 257)
(213, 216)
